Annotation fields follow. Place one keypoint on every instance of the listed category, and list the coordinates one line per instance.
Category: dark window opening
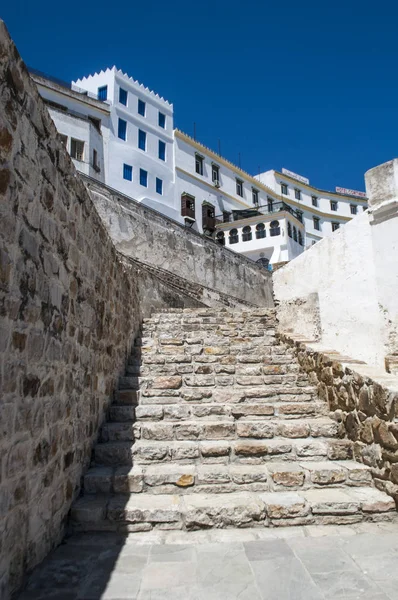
(246, 234)
(260, 231)
(274, 229)
(233, 236)
(220, 238)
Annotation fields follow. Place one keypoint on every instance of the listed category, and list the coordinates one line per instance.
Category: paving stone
(285, 579)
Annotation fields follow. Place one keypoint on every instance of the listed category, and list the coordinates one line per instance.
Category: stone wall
(365, 400)
(144, 234)
(69, 311)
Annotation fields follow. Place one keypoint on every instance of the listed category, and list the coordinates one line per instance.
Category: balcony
(249, 213)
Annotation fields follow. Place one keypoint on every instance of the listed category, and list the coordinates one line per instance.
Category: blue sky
(310, 86)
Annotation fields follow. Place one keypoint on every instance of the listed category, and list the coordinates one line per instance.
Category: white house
(122, 133)
(82, 121)
(141, 141)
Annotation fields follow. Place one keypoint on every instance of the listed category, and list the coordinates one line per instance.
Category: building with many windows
(121, 133)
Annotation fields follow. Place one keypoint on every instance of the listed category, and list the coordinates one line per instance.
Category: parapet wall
(340, 271)
(142, 233)
(69, 311)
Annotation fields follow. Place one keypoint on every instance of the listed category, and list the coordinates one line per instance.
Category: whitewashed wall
(127, 151)
(341, 270)
(322, 211)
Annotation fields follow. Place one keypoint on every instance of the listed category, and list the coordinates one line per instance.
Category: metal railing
(257, 211)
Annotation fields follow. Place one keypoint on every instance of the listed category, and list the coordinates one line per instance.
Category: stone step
(217, 429)
(260, 408)
(220, 451)
(224, 395)
(143, 512)
(172, 478)
(212, 411)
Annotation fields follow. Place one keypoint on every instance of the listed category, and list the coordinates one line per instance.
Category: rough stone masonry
(69, 311)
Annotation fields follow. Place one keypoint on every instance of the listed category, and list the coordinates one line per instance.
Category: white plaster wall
(127, 152)
(276, 248)
(341, 270)
(202, 186)
(322, 211)
(385, 243)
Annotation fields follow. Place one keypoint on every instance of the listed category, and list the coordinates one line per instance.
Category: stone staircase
(214, 425)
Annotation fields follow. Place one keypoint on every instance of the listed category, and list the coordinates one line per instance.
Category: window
(64, 139)
(316, 223)
(260, 231)
(354, 209)
(103, 92)
(300, 238)
(162, 120)
(255, 196)
(96, 166)
(122, 129)
(299, 215)
(128, 172)
(246, 233)
(77, 149)
(208, 218)
(297, 194)
(188, 206)
(162, 150)
(333, 205)
(314, 201)
(141, 140)
(226, 216)
(199, 164)
(270, 204)
(294, 234)
(274, 228)
(141, 108)
(233, 236)
(143, 177)
(215, 174)
(289, 229)
(239, 187)
(159, 186)
(284, 189)
(220, 238)
(335, 226)
(123, 96)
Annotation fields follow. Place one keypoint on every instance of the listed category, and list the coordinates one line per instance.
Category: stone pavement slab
(303, 563)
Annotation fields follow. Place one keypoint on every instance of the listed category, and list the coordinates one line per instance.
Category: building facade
(121, 133)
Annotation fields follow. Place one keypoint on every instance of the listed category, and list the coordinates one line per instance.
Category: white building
(121, 133)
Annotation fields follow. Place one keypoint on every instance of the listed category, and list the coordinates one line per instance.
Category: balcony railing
(248, 213)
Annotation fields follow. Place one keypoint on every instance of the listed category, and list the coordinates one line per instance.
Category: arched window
(274, 228)
(246, 233)
(233, 236)
(260, 231)
(295, 234)
(220, 238)
(264, 262)
(300, 238)
(289, 229)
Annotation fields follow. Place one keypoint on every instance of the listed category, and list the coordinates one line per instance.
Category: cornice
(259, 185)
(318, 191)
